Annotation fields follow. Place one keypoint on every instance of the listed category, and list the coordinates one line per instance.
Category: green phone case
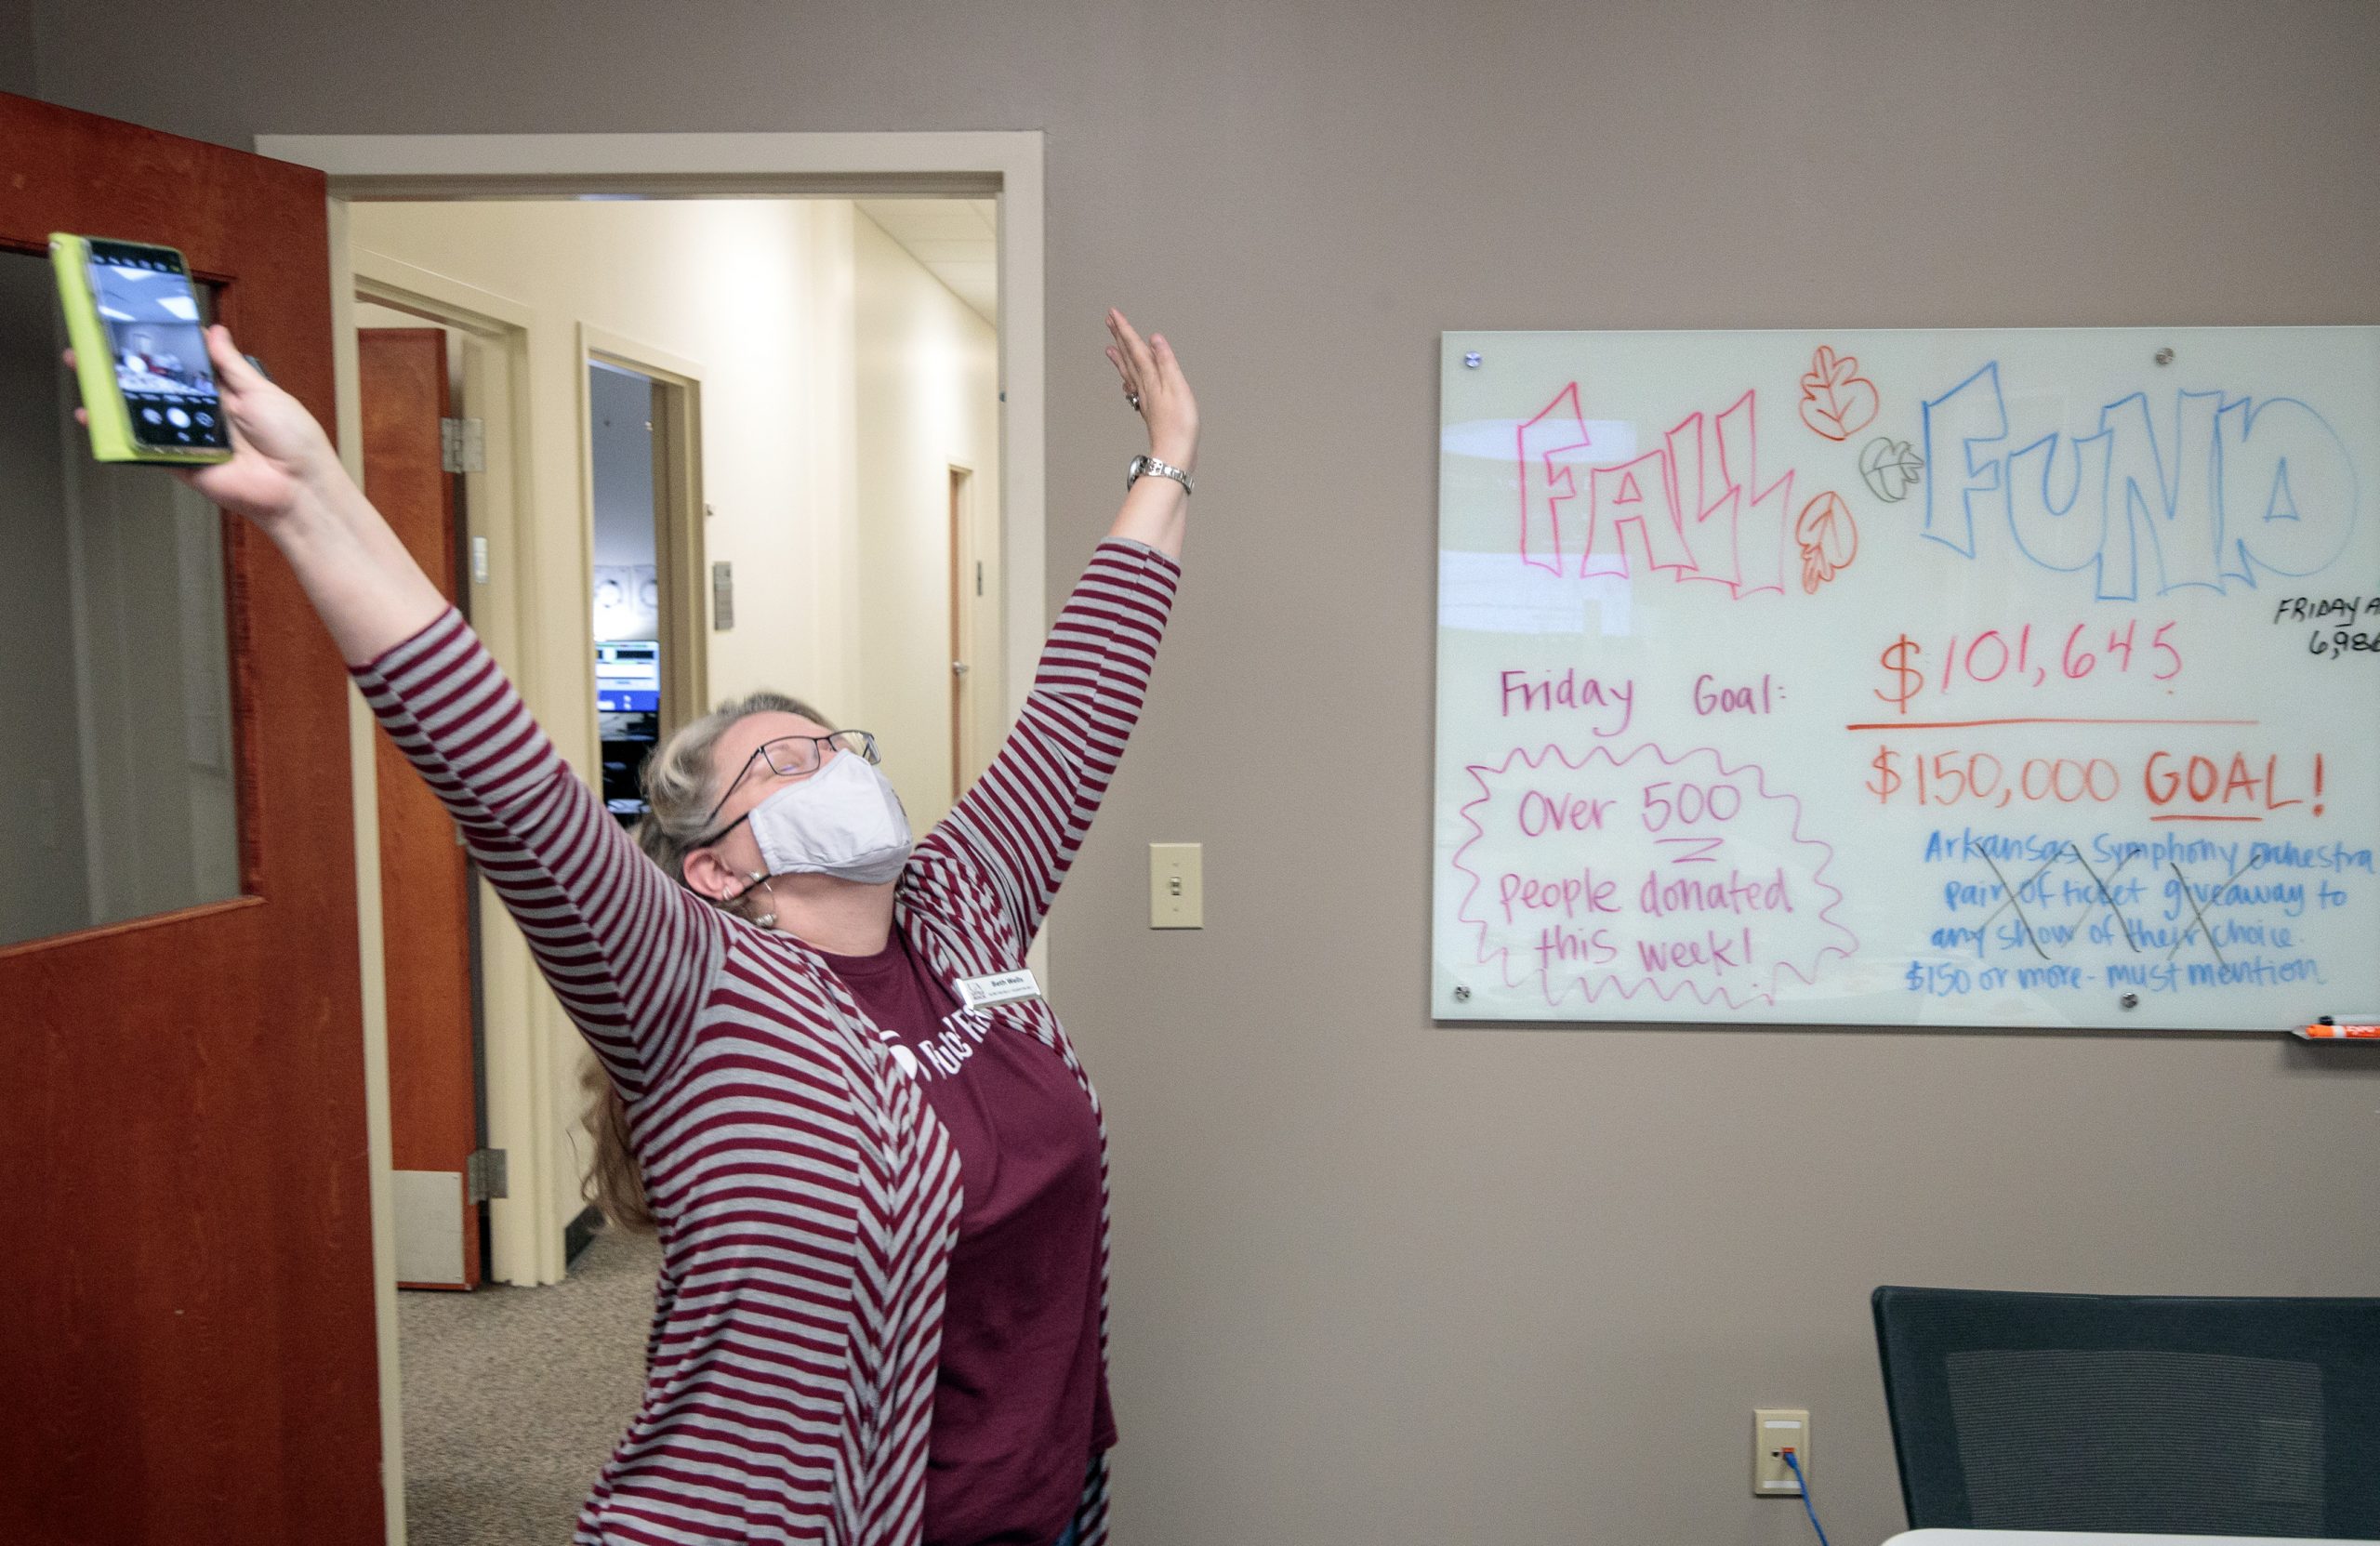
(111, 438)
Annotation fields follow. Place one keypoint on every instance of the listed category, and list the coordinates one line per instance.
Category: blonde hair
(680, 790)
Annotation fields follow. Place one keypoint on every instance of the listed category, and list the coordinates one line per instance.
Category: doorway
(641, 428)
(784, 523)
(528, 556)
(450, 1082)
(626, 581)
(966, 599)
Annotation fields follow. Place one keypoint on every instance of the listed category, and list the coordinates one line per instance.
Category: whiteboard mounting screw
(2130, 1000)
(2165, 356)
(1470, 362)
(1462, 996)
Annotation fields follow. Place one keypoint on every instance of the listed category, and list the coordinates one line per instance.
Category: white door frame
(1006, 166)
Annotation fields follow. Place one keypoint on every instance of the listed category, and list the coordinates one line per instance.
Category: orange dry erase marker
(2359, 1027)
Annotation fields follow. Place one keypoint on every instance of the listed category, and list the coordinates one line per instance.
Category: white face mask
(844, 820)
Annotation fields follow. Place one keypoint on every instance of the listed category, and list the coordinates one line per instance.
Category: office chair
(2109, 1412)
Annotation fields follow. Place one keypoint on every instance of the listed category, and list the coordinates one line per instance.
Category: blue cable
(1794, 1465)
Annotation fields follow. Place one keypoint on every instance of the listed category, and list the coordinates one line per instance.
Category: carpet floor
(513, 1397)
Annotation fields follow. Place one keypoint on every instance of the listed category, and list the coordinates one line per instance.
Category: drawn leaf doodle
(1830, 539)
(1890, 467)
(1837, 401)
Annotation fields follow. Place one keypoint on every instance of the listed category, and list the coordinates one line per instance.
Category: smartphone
(140, 351)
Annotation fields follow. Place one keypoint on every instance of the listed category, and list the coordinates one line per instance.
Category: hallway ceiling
(954, 238)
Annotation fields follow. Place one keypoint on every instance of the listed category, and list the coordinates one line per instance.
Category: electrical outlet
(1176, 899)
(1774, 1430)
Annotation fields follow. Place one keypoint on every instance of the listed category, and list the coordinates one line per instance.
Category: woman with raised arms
(877, 1170)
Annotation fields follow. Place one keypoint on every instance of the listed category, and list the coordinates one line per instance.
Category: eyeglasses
(790, 756)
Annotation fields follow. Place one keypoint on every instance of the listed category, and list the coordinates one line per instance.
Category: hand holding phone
(138, 345)
(278, 450)
(149, 386)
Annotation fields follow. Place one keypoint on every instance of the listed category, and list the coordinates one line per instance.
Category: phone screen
(149, 310)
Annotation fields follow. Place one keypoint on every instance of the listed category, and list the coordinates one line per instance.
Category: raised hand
(1155, 385)
(284, 476)
(277, 449)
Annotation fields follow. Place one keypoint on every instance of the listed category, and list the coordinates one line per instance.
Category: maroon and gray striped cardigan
(806, 1194)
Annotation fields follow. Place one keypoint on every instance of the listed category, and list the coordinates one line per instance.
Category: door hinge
(462, 445)
(483, 1175)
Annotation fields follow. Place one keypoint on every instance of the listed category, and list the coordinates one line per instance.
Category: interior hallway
(515, 1396)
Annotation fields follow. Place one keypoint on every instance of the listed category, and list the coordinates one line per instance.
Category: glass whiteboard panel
(1959, 678)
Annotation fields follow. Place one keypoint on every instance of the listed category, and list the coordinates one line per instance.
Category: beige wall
(1381, 1284)
(927, 401)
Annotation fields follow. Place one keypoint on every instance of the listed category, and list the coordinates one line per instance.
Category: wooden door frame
(1006, 166)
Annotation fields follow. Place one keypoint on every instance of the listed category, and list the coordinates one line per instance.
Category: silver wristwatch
(1151, 467)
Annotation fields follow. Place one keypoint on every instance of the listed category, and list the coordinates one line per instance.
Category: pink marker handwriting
(1593, 873)
(1610, 705)
(1694, 507)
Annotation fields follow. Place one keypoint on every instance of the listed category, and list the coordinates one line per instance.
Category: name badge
(1003, 987)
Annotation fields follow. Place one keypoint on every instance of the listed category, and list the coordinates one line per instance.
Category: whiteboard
(1957, 678)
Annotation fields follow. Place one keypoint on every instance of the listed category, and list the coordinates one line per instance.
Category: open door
(187, 1339)
(425, 875)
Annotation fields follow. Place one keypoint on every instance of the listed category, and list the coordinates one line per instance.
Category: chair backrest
(2253, 1417)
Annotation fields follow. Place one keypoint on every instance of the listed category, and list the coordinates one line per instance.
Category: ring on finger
(1134, 398)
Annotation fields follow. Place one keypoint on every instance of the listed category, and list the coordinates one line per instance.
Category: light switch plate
(1175, 895)
(1773, 1430)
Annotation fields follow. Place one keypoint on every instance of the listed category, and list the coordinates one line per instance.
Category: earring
(763, 879)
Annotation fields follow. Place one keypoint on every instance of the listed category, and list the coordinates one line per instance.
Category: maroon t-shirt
(1021, 1400)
